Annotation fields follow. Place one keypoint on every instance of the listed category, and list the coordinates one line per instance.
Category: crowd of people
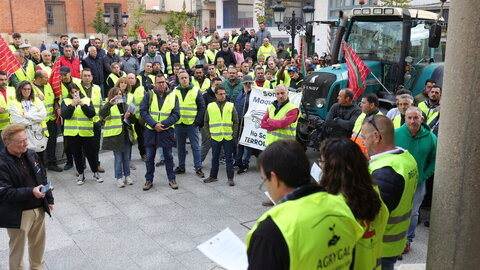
(161, 94)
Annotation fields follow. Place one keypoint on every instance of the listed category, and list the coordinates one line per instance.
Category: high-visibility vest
(266, 84)
(169, 62)
(150, 76)
(79, 123)
(319, 229)
(205, 85)
(397, 121)
(287, 133)
(113, 123)
(397, 226)
(48, 101)
(220, 122)
(206, 39)
(357, 127)
(160, 114)
(45, 68)
(5, 104)
(76, 81)
(12, 48)
(136, 98)
(429, 112)
(192, 62)
(233, 39)
(188, 106)
(96, 98)
(368, 250)
(266, 51)
(36, 102)
(211, 55)
(29, 73)
(114, 77)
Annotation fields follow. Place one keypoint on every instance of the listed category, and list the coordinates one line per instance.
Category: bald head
(378, 134)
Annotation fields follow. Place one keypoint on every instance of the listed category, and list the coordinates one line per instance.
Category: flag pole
(380, 83)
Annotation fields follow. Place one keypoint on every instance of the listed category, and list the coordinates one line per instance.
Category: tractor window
(376, 40)
(420, 52)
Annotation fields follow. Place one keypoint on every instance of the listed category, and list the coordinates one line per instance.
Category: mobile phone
(46, 188)
(76, 96)
(120, 100)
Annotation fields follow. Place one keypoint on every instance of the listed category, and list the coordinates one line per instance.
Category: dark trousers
(80, 146)
(97, 133)
(150, 162)
(243, 155)
(228, 149)
(139, 130)
(52, 142)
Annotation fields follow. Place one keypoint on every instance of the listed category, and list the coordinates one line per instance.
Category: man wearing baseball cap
(296, 77)
(244, 37)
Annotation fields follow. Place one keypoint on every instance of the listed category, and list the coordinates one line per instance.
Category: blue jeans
(228, 149)
(150, 162)
(417, 202)
(243, 155)
(181, 133)
(122, 161)
(160, 154)
(388, 262)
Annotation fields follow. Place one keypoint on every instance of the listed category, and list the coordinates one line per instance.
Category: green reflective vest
(205, 85)
(48, 101)
(27, 73)
(319, 229)
(160, 114)
(36, 102)
(5, 104)
(45, 68)
(220, 122)
(397, 226)
(96, 98)
(287, 133)
(169, 62)
(79, 123)
(359, 122)
(76, 81)
(113, 123)
(188, 106)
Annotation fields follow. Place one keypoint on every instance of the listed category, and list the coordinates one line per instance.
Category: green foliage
(98, 22)
(175, 21)
(137, 18)
(394, 3)
(263, 11)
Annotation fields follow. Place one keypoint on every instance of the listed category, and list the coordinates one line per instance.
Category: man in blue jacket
(160, 112)
(415, 137)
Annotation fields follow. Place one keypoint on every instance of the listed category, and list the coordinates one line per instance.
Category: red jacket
(74, 65)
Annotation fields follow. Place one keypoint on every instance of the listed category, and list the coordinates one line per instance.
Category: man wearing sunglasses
(396, 174)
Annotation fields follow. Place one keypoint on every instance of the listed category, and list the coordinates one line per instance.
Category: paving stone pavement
(101, 226)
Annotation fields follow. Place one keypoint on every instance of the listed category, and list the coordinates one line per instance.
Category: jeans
(417, 202)
(97, 133)
(161, 156)
(181, 133)
(388, 262)
(228, 149)
(150, 162)
(205, 143)
(243, 155)
(52, 142)
(122, 161)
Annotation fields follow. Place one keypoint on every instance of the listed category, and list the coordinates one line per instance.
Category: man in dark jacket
(109, 59)
(227, 55)
(23, 203)
(95, 64)
(159, 133)
(244, 37)
(342, 116)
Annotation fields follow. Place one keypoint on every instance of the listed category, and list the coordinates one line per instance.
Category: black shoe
(231, 183)
(242, 170)
(55, 168)
(237, 165)
(179, 170)
(68, 166)
(160, 163)
(210, 180)
(200, 173)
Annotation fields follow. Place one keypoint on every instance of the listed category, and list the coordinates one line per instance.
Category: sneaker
(144, 157)
(173, 184)
(407, 247)
(222, 161)
(160, 163)
(147, 186)
(129, 180)
(97, 177)
(236, 165)
(200, 173)
(231, 183)
(81, 179)
(179, 170)
(267, 203)
(210, 180)
(100, 169)
(120, 183)
(132, 166)
(242, 170)
(67, 166)
(55, 168)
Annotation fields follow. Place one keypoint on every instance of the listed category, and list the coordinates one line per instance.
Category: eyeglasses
(263, 182)
(371, 120)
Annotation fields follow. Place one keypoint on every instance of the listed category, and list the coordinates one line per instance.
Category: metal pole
(292, 30)
(115, 22)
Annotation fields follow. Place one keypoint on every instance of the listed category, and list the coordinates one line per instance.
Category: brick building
(45, 20)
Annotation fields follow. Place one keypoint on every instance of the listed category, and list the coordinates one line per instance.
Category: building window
(237, 13)
(56, 19)
(115, 11)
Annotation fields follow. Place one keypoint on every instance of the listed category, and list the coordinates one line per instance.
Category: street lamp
(116, 23)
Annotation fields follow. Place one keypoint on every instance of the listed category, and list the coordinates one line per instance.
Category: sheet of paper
(269, 197)
(316, 172)
(227, 250)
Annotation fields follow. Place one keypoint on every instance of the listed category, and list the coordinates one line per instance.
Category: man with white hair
(404, 102)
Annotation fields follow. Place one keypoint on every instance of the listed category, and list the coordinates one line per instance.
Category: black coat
(96, 65)
(14, 193)
(228, 56)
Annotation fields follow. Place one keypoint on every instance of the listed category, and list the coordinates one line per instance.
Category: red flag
(193, 32)
(142, 32)
(185, 33)
(8, 61)
(55, 80)
(357, 71)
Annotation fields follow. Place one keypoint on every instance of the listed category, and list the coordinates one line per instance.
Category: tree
(137, 16)
(263, 10)
(98, 22)
(394, 3)
(175, 21)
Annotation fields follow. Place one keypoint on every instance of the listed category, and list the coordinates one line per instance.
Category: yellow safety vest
(220, 122)
(136, 98)
(188, 106)
(266, 84)
(192, 62)
(45, 68)
(266, 51)
(160, 114)
(211, 55)
(205, 85)
(234, 39)
(76, 81)
(36, 101)
(5, 103)
(79, 123)
(169, 62)
(397, 226)
(115, 78)
(150, 76)
(397, 121)
(29, 73)
(113, 123)
(96, 99)
(206, 39)
(286, 78)
(287, 133)
(429, 112)
(12, 48)
(359, 122)
(319, 229)
(48, 101)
